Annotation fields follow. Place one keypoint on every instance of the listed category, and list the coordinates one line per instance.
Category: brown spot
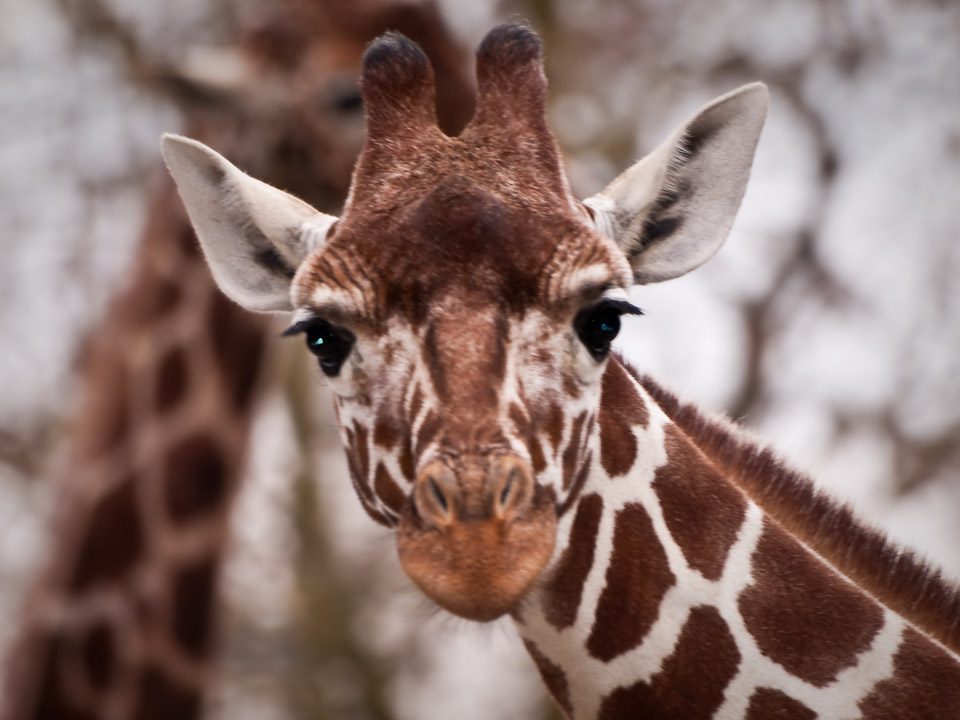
(416, 402)
(386, 432)
(406, 456)
(537, 459)
(553, 425)
(99, 656)
(362, 449)
(578, 482)
(520, 420)
(691, 682)
(54, 702)
(572, 452)
(387, 489)
(427, 432)
(162, 698)
(149, 299)
(237, 340)
(553, 677)
(801, 615)
(193, 595)
(172, 380)
(571, 388)
(621, 410)
(102, 559)
(196, 479)
(770, 704)
(563, 590)
(107, 407)
(925, 684)
(637, 579)
(702, 510)
(431, 356)
(361, 483)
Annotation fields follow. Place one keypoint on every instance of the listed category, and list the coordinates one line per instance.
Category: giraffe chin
(479, 569)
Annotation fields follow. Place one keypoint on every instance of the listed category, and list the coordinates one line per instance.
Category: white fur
(710, 185)
(238, 218)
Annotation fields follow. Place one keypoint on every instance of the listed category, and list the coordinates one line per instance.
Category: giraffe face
(464, 336)
(463, 309)
(463, 305)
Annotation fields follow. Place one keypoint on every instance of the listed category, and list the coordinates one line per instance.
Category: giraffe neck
(678, 589)
(121, 625)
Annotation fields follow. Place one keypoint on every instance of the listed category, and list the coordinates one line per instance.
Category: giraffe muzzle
(475, 538)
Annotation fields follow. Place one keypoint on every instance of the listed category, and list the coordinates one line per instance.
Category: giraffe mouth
(477, 564)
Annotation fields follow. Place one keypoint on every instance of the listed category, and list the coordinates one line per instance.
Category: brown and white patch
(637, 578)
(622, 409)
(770, 704)
(703, 512)
(564, 589)
(691, 682)
(801, 614)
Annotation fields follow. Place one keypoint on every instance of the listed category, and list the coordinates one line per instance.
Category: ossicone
(397, 85)
(510, 77)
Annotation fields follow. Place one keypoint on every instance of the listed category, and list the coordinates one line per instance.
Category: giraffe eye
(331, 345)
(597, 326)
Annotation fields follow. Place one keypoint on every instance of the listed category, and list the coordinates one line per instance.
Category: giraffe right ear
(253, 235)
(672, 210)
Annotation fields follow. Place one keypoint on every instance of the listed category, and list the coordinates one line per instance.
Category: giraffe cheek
(478, 569)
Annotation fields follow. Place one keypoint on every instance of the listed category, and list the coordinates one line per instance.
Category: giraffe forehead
(462, 240)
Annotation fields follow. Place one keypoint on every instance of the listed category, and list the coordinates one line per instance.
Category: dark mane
(894, 576)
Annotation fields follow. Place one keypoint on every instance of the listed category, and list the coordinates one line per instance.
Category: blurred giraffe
(121, 623)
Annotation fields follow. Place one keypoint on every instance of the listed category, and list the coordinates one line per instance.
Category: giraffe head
(463, 306)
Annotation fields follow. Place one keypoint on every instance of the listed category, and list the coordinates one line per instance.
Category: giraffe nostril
(438, 495)
(435, 494)
(511, 486)
(505, 493)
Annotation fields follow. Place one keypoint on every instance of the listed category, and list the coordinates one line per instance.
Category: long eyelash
(624, 307)
(298, 327)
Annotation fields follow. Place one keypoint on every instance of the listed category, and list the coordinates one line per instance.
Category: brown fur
(769, 704)
(564, 588)
(573, 452)
(802, 615)
(387, 489)
(691, 682)
(637, 579)
(702, 512)
(895, 577)
(924, 680)
(623, 409)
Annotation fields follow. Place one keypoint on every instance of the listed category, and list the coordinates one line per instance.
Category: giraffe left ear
(253, 235)
(672, 210)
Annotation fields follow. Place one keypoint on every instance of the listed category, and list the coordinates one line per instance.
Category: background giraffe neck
(123, 619)
(672, 592)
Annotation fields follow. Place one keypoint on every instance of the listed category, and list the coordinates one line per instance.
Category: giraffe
(657, 562)
(123, 617)
(121, 624)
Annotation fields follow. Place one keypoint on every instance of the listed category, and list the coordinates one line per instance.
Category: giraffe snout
(499, 491)
(475, 538)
